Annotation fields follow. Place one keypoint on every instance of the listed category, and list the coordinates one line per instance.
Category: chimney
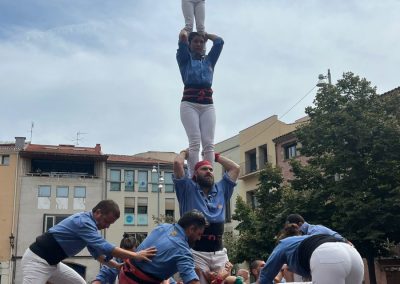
(20, 142)
(98, 148)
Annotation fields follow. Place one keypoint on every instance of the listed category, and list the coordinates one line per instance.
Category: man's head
(196, 42)
(106, 212)
(203, 174)
(256, 267)
(194, 223)
(295, 219)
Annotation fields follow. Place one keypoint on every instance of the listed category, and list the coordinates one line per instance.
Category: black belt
(48, 248)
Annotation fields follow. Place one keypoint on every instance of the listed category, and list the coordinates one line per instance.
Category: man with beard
(173, 242)
(201, 193)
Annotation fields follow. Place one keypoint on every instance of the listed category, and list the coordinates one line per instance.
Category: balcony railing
(62, 175)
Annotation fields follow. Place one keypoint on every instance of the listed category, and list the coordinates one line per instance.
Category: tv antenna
(79, 137)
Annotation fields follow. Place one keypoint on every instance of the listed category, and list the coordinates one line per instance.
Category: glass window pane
(129, 180)
(169, 188)
(115, 175)
(5, 160)
(115, 186)
(168, 178)
(44, 191)
(142, 179)
(62, 191)
(80, 192)
(154, 177)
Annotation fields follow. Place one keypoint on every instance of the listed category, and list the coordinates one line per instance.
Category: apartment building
(142, 185)
(9, 157)
(56, 181)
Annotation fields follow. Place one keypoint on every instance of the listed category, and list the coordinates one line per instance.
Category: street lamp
(156, 169)
(12, 240)
(322, 78)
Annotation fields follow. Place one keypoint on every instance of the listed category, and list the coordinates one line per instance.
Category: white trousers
(209, 261)
(199, 123)
(194, 9)
(336, 263)
(36, 270)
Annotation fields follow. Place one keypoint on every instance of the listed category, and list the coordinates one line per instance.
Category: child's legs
(207, 131)
(200, 15)
(190, 120)
(188, 14)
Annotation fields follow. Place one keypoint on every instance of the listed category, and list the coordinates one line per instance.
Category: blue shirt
(190, 196)
(107, 275)
(198, 72)
(173, 253)
(308, 229)
(78, 231)
(284, 252)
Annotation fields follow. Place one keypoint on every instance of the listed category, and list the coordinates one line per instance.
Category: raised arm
(230, 166)
(183, 36)
(179, 161)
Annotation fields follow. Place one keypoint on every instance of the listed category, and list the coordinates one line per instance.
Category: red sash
(130, 274)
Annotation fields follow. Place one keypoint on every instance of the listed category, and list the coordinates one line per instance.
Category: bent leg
(35, 270)
(65, 274)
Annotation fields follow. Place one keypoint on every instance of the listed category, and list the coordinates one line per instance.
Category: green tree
(259, 227)
(353, 172)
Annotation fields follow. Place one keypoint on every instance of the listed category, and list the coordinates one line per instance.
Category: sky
(107, 69)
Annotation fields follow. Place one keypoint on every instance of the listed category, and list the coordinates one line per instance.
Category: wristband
(216, 157)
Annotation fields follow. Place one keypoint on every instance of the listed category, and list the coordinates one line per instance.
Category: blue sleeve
(181, 185)
(172, 280)
(215, 51)
(319, 229)
(185, 265)
(107, 275)
(183, 53)
(227, 185)
(274, 264)
(96, 244)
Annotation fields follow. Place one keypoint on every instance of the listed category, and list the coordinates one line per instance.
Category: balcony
(62, 175)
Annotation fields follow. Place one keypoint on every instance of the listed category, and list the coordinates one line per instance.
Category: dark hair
(193, 217)
(128, 242)
(295, 218)
(290, 230)
(254, 264)
(106, 207)
(192, 35)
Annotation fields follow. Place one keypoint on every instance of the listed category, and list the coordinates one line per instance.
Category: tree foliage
(353, 172)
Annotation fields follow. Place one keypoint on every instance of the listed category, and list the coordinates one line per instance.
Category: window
(115, 178)
(52, 220)
(142, 180)
(251, 161)
(251, 199)
(170, 209)
(169, 184)
(44, 191)
(290, 151)
(142, 211)
(4, 160)
(79, 198)
(62, 191)
(62, 197)
(154, 182)
(129, 180)
(79, 192)
(262, 156)
(129, 210)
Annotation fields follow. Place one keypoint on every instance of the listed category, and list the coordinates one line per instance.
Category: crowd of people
(193, 247)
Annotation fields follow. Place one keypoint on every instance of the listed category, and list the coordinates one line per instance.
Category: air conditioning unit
(129, 219)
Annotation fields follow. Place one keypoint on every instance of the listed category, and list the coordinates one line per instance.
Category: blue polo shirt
(308, 229)
(284, 252)
(190, 196)
(78, 231)
(173, 253)
(198, 72)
